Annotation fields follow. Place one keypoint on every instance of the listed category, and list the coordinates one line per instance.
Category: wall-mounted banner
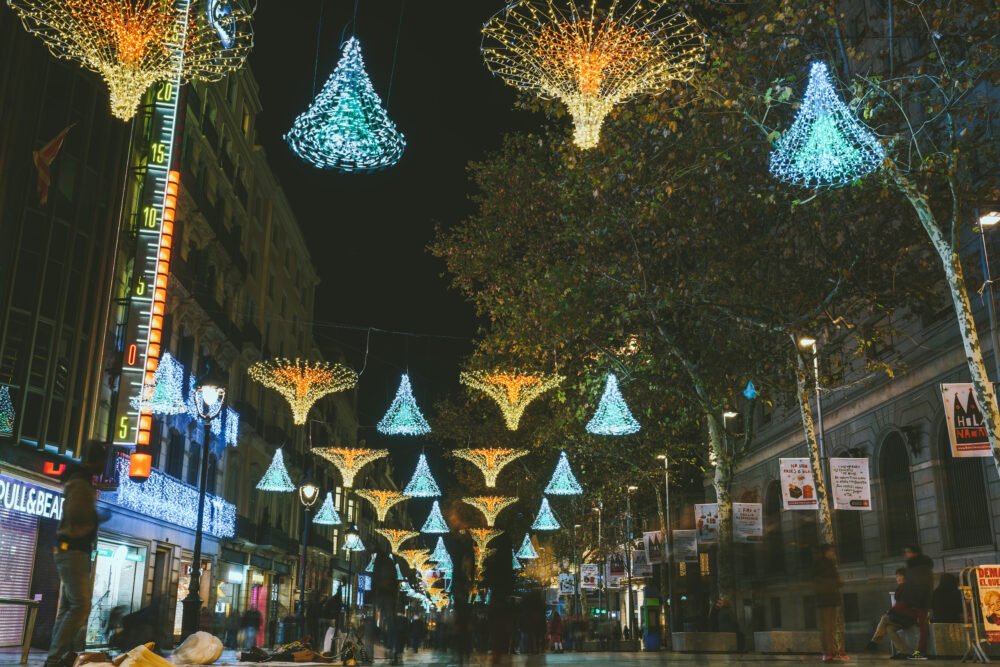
(686, 545)
(656, 547)
(852, 488)
(798, 487)
(966, 429)
(640, 566)
(988, 577)
(616, 564)
(748, 522)
(706, 518)
(589, 574)
(567, 585)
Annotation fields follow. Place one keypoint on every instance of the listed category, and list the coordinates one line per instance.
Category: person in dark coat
(918, 592)
(946, 602)
(827, 584)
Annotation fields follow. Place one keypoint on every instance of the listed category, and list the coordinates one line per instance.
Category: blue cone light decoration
(371, 564)
(826, 146)
(346, 128)
(442, 558)
(276, 478)
(613, 416)
(327, 514)
(403, 416)
(422, 484)
(751, 391)
(563, 482)
(435, 524)
(515, 563)
(527, 550)
(545, 520)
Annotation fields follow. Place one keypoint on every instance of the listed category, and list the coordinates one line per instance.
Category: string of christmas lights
(276, 477)
(7, 413)
(490, 506)
(563, 482)
(490, 461)
(302, 383)
(381, 500)
(435, 523)
(327, 514)
(396, 536)
(613, 416)
(513, 392)
(546, 519)
(527, 550)
(349, 461)
(165, 396)
(403, 416)
(422, 484)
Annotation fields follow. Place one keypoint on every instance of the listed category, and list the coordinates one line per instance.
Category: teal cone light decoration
(7, 414)
(441, 557)
(435, 524)
(327, 514)
(613, 416)
(422, 484)
(346, 128)
(545, 520)
(166, 395)
(403, 416)
(371, 564)
(826, 146)
(515, 563)
(527, 550)
(276, 478)
(751, 391)
(563, 482)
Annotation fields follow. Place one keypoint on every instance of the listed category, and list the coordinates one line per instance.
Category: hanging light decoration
(165, 395)
(403, 416)
(349, 460)
(751, 391)
(133, 44)
(396, 536)
(327, 514)
(370, 568)
(490, 506)
(591, 60)
(302, 383)
(527, 550)
(435, 523)
(613, 416)
(546, 519)
(515, 563)
(563, 482)
(7, 414)
(483, 536)
(346, 128)
(422, 484)
(276, 478)
(826, 146)
(352, 540)
(490, 461)
(513, 392)
(440, 553)
(382, 501)
(415, 558)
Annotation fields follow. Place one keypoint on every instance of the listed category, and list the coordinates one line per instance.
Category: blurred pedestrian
(827, 585)
(555, 632)
(946, 603)
(918, 592)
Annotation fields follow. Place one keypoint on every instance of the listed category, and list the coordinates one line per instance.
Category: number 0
(132, 352)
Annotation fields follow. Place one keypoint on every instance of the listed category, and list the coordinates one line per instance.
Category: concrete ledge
(704, 642)
(787, 641)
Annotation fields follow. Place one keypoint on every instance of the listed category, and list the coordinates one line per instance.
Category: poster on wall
(589, 573)
(748, 522)
(988, 578)
(656, 547)
(798, 487)
(640, 566)
(706, 519)
(852, 488)
(567, 584)
(616, 564)
(686, 545)
(966, 429)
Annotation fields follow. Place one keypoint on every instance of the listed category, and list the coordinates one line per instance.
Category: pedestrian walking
(827, 583)
(555, 632)
(917, 593)
(895, 619)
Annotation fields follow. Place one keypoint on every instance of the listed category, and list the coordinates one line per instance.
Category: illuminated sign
(23, 498)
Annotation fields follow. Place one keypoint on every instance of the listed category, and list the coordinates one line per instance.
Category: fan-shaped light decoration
(613, 416)
(382, 501)
(349, 461)
(591, 60)
(422, 484)
(527, 550)
(346, 128)
(826, 146)
(396, 536)
(327, 514)
(435, 523)
(276, 478)
(302, 383)
(490, 461)
(563, 482)
(415, 558)
(545, 520)
(515, 563)
(483, 536)
(165, 396)
(481, 555)
(513, 392)
(490, 506)
(403, 416)
(133, 44)
(7, 414)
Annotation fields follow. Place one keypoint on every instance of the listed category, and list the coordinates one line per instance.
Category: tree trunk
(723, 483)
(812, 443)
(664, 572)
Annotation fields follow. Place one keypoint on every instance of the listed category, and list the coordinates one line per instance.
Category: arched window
(806, 538)
(847, 530)
(966, 500)
(899, 512)
(774, 543)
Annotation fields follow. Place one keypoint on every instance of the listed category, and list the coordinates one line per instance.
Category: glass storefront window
(183, 583)
(119, 573)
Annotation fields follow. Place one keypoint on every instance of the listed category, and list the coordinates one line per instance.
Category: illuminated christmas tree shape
(440, 556)
(483, 536)
(613, 416)
(591, 60)
(403, 416)
(349, 461)
(353, 543)
(563, 482)
(422, 484)
(371, 564)
(435, 523)
(545, 520)
(346, 128)
(513, 392)
(7, 414)
(826, 146)
(415, 558)
(165, 396)
(399, 576)
(133, 44)
(302, 383)
(515, 563)
(327, 514)
(527, 550)
(490, 461)
(382, 501)
(751, 391)
(490, 506)
(396, 536)
(276, 478)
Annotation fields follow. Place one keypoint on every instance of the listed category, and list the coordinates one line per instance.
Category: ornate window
(966, 500)
(898, 509)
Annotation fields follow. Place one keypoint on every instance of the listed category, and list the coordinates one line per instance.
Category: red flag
(43, 158)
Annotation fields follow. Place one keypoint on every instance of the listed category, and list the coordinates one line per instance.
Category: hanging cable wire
(319, 41)
(395, 52)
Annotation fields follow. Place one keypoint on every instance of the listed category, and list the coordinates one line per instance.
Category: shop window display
(119, 573)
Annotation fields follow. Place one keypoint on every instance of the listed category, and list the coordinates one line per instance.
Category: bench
(31, 613)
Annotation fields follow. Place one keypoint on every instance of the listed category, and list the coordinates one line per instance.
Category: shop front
(119, 574)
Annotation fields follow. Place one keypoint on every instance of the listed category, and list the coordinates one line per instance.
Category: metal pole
(303, 561)
(191, 613)
(670, 546)
(603, 593)
(628, 564)
(350, 590)
(991, 306)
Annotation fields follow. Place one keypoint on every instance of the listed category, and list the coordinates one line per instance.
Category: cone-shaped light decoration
(381, 500)
(435, 524)
(371, 564)
(399, 574)
(7, 414)
(545, 520)
(513, 392)
(327, 514)
(349, 461)
(490, 506)
(395, 536)
(490, 461)
(302, 383)
(563, 482)
(527, 550)
(826, 146)
(352, 541)
(403, 416)
(422, 484)
(483, 536)
(441, 557)
(751, 391)
(165, 396)
(515, 563)
(613, 416)
(276, 478)
(346, 128)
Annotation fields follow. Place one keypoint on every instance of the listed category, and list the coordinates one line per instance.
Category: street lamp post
(602, 594)
(670, 542)
(308, 495)
(352, 543)
(577, 606)
(209, 398)
(990, 219)
(629, 605)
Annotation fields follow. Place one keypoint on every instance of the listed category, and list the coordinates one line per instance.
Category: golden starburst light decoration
(415, 558)
(490, 461)
(302, 383)
(350, 460)
(490, 506)
(133, 44)
(592, 59)
(382, 501)
(396, 536)
(483, 536)
(513, 392)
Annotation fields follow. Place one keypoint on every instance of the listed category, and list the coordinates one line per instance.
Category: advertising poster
(616, 564)
(989, 599)
(706, 519)
(567, 585)
(640, 566)
(798, 487)
(589, 573)
(965, 421)
(686, 545)
(851, 485)
(612, 580)
(656, 547)
(748, 522)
